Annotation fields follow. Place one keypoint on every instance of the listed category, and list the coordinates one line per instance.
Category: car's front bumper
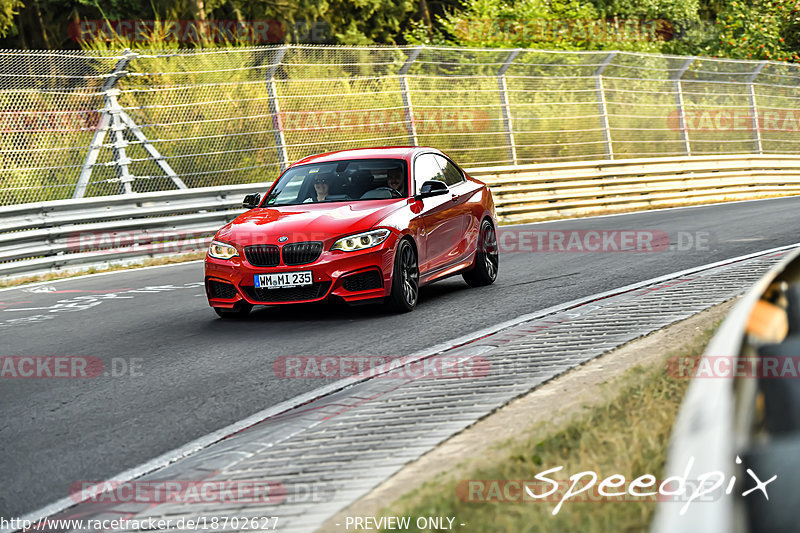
(351, 276)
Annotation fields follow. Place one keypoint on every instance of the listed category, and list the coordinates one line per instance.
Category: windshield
(340, 181)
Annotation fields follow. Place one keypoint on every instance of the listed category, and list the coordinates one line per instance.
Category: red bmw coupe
(360, 225)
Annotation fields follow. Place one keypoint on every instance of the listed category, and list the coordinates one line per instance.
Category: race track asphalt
(181, 372)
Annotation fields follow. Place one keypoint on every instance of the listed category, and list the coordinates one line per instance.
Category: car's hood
(307, 222)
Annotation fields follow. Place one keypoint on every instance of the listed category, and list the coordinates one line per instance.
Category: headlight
(220, 250)
(361, 241)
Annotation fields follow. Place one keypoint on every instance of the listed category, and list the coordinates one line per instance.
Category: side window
(452, 175)
(426, 168)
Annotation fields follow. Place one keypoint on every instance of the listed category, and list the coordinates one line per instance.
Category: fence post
(601, 100)
(120, 159)
(406, 94)
(274, 108)
(505, 108)
(109, 119)
(687, 147)
(753, 108)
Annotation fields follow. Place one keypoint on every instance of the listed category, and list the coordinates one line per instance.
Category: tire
(239, 311)
(405, 279)
(487, 259)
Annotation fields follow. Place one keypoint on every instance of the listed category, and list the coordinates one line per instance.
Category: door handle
(454, 197)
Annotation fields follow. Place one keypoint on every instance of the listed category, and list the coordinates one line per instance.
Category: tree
(45, 23)
(564, 24)
(763, 29)
(8, 9)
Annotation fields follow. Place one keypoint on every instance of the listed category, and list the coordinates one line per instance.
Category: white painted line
(207, 440)
(84, 276)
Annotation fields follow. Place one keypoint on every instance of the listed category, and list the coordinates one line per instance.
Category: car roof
(390, 152)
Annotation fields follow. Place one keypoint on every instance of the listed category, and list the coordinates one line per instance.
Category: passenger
(394, 178)
(321, 188)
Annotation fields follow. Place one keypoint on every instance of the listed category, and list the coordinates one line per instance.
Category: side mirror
(431, 188)
(252, 200)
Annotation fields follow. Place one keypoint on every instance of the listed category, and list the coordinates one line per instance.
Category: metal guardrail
(77, 234)
(531, 192)
(744, 420)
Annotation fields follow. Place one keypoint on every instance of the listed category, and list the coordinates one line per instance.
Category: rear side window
(426, 168)
(452, 174)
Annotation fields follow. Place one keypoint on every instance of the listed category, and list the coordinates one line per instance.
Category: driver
(394, 178)
(321, 188)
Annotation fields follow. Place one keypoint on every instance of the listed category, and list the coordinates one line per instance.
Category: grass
(627, 434)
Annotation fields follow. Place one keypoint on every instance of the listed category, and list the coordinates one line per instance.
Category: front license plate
(284, 280)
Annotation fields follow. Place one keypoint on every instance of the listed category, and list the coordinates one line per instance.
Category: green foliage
(763, 29)
(45, 22)
(489, 23)
(676, 11)
(8, 9)
(649, 26)
(367, 21)
(758, 29)
(19, 185)
(755, 29)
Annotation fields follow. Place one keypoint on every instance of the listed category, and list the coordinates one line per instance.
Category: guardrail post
(406, 94)
(601, 100)
(274, 108)
(504, 106)
(753, 108)
(687, 147)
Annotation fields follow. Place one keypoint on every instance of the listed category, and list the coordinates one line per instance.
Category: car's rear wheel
(240, 310)
(487, 258)
(405, 279)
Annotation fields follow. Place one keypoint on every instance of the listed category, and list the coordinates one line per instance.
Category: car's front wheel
(487, 258)
(405, 280)
(240, 310)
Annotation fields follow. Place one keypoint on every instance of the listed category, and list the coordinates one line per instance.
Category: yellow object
(768, 322)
